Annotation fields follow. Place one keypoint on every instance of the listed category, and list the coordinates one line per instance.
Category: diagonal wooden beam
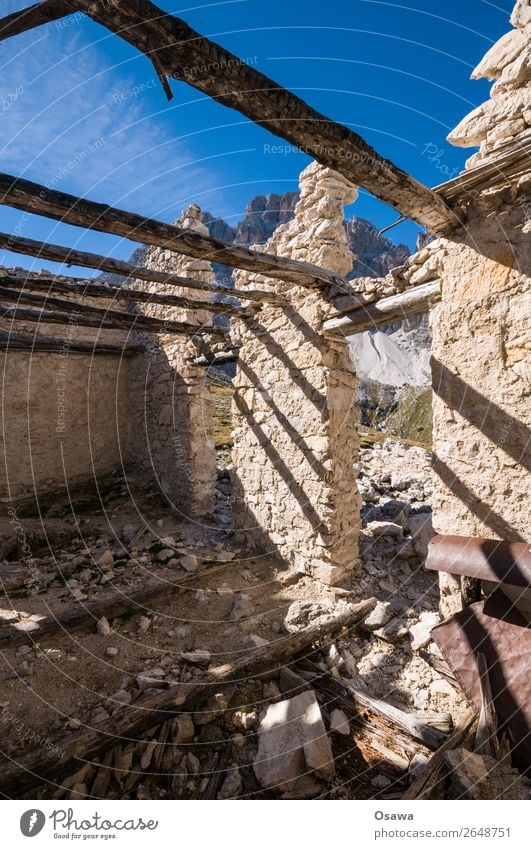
(33, 16)
(10, 341)
(413, 301)
(89, 288)
(84, 259)
(188, 56)
(72, 312)
(69, 209)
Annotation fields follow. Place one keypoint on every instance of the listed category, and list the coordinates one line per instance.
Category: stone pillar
(173, 403)
(295, 438)
(481, 374)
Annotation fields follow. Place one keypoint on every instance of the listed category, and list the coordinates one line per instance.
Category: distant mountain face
(374, 254)
(387, 359)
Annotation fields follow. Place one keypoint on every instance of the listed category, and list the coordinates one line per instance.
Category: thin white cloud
(75, 123)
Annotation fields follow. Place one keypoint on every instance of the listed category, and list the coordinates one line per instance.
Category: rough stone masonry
(295, 439)
(480, 354)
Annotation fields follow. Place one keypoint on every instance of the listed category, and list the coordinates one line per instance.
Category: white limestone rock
(521, 15)
(473, 129)
(339, 722)
(501, 54)
(516, 74)
(379, 616)
(421, 632)
(420, 527)
(382, 529)
(242, 608)
(292, 742)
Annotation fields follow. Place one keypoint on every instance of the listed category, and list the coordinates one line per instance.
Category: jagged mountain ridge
(374, 255)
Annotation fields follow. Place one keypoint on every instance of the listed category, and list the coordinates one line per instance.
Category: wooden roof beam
(89, 288)
(74, 313)
(40, 200)
(190, 57)
(33, 16)
(412, 301)
(32, 343)
(84, 259)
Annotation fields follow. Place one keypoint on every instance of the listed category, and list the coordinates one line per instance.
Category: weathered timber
(85, 316)
(440, 667)
(188, 56)
(374, 715)
(432, 777)
(217, 358)
(50, 344)
(128, 723)
(15, 576)
(69, 209)
(33, 16)
(85, 259)
(88, 288)
(413, 301)
(512, 162)
(486, 742)
(86, 614)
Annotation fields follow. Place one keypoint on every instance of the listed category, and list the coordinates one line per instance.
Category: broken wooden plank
(486, 742)
(47, 764)
(33, 16)
(413, 301)
(440, 667)
(376, 718)
(85, 259)
(84, 316)
(89, 288)
(217, 358)
(69, 209)
(87, 613)
(186, 55)
(432, 777)
(11, 341)
(511, 162)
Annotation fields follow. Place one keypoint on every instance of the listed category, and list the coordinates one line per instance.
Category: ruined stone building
(108, 399)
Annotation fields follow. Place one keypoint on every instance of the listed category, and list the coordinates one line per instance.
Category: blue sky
(397, 73)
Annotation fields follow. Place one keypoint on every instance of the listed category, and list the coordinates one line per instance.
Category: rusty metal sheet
(486, 559)
(496, 629)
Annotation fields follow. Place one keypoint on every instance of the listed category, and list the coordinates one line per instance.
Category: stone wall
(295, 439)
(507, 113)
(172, 434)
(64, 421)
(480, 357)
(64, 416)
